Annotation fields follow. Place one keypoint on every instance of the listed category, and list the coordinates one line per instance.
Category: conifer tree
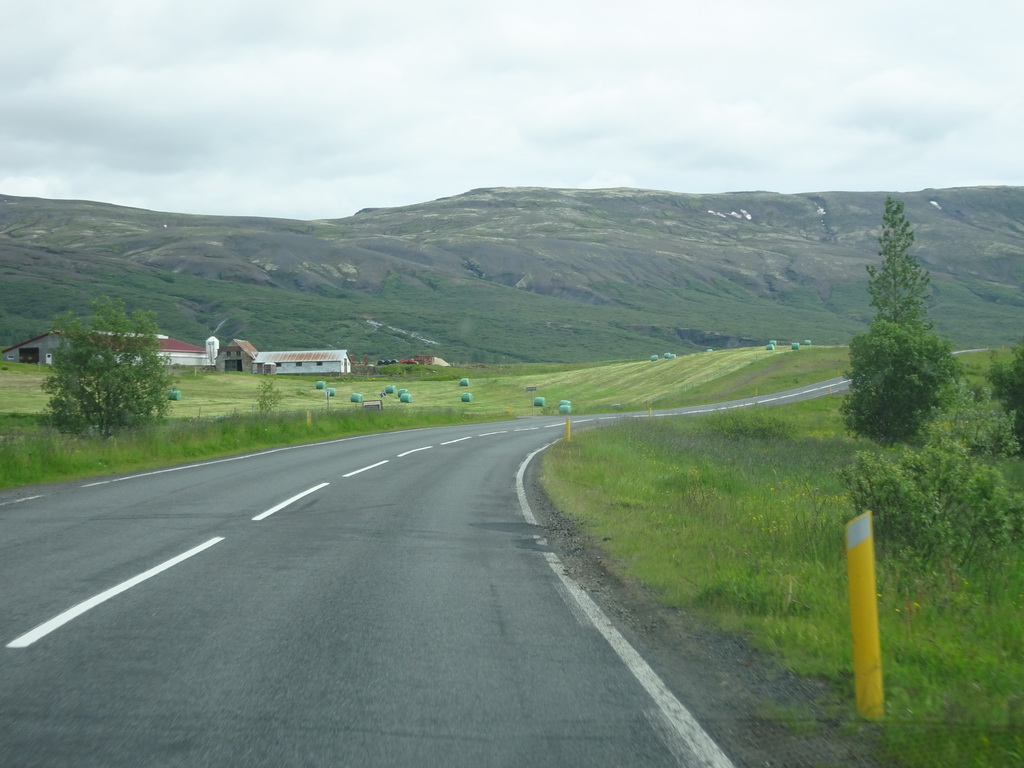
(899, 286)
(900, 371)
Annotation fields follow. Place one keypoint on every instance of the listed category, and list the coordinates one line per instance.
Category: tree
(267, 396)
(900, 372)
(900, 377)
(900, 286)
(109, 374)
(1007, 380)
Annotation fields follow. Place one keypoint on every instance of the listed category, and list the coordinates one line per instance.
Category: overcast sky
(317, 108)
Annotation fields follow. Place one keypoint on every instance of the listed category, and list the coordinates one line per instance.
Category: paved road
(384, 600)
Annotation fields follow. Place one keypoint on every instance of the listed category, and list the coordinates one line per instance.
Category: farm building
(40, 350)
(36, 350)
(316, 361)
(236, 356)
(182, 353)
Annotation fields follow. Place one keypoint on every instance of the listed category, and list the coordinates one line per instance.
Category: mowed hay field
(625, 385)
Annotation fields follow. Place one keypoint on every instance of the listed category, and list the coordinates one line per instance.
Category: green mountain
(521, 274)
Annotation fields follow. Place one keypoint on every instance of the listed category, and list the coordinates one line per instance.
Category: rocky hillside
(519, 274)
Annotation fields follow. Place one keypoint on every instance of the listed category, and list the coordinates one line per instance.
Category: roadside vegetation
(30, 453)
(739, 517)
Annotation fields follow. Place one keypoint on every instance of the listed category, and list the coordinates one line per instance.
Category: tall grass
(32, 454)
(739, 517)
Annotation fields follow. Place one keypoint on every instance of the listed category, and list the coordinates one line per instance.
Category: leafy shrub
(936, 503)
(899, 376)
(971, 419)
(1007, 379)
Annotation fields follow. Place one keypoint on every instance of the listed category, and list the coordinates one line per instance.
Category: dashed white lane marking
(58, 621)
(17, 501)
(285, 503)
(458, 440)
(357, 471)
(690, 744)
(415, 450)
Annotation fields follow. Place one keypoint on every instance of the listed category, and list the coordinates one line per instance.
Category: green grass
(32, 454)
(218, 413)
(499, 390)
(739, 517)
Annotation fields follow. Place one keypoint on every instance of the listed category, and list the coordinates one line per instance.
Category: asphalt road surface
(385, 600)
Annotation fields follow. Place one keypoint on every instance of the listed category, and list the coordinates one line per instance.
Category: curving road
(384, 600)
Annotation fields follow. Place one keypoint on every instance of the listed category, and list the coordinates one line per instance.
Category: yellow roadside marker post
(568, 431)
(867, 649)
(309, 419)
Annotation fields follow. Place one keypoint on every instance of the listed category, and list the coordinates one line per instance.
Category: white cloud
(317, 108)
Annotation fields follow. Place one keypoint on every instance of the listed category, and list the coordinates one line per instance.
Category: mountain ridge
(520, 273)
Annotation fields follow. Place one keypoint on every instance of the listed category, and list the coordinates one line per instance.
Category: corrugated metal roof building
(312, 361)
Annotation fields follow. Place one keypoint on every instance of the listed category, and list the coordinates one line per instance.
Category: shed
(318, 361)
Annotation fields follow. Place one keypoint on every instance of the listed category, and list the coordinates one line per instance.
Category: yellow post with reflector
(309, 419)
(867, 647)
(568, 431)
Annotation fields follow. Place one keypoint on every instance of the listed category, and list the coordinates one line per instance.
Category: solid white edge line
(57, 621)
(676, 716)
(285, 503)
(357, 471)
(415, 450)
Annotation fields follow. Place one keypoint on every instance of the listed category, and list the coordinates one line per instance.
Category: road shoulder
(758, 712)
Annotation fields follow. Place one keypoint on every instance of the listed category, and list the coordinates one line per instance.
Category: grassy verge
(739, 517)
(31, 454)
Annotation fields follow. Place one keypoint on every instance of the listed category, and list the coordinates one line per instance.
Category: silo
(212, 348)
